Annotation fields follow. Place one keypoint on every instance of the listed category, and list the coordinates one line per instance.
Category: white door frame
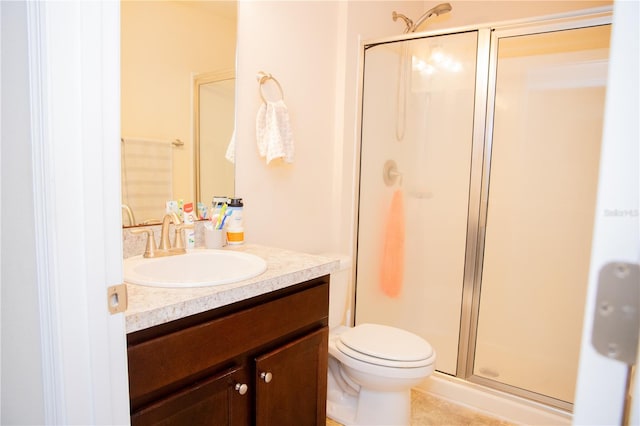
(74, 51)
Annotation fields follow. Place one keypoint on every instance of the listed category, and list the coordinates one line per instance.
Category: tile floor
(427, 410)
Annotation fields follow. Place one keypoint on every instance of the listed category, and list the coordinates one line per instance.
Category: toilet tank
(339, 290)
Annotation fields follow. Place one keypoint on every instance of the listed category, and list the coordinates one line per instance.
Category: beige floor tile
(427, 410)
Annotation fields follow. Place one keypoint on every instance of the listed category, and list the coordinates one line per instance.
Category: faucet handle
(179, 243)
(150, 250)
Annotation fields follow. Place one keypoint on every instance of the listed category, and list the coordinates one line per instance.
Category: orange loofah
(392, 267)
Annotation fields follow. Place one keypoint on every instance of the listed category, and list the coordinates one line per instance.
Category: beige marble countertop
(150, 306)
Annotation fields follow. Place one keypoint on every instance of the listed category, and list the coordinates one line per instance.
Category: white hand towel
(273, 132)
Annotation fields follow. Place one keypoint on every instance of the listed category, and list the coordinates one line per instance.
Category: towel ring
(262, 78)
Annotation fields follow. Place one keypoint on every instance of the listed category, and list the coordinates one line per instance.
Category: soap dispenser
(235, 227)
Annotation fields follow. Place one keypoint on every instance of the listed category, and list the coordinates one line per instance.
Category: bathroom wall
(163, 43)
(288, 205)
(312, 48)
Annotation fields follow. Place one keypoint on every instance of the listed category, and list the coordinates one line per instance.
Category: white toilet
(372, 367)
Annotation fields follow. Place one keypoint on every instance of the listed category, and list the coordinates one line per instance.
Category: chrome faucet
(165, 244)
(165, 248)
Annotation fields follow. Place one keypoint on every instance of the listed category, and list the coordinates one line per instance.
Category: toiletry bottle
(216, 205)
(235, 206)
(172, 207)
(181, 209)
(189, 218)
(235, 228)
(235, 235)
(203, 212)
(219, 200)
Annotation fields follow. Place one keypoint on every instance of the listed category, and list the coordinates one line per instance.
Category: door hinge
(616, 321)
(117, 298)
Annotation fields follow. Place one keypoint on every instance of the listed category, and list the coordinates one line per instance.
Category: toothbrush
(220, 217)
(226, 215)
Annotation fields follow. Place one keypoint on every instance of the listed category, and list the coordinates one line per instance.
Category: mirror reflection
(214, 112)
(168, 50)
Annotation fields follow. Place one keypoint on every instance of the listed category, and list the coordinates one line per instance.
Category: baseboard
(494, 403)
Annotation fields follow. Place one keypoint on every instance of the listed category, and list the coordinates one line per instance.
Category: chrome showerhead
(437, 10)
(441, 8)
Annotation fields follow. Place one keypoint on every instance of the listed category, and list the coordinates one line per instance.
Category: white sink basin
(197, 268)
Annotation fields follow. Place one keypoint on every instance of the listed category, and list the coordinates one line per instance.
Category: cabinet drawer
(173, 359)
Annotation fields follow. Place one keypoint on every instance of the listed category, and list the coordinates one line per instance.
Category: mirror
(214, 113)
(171, 52)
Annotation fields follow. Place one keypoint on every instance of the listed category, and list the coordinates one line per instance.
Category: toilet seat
(385, 346)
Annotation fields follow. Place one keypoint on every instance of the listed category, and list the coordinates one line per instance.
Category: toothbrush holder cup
(215, 238)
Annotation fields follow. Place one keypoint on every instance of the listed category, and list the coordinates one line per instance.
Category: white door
(74, 64)
(601, 381)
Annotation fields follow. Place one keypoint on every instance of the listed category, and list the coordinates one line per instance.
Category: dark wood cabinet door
(218, 400)
(291, 382)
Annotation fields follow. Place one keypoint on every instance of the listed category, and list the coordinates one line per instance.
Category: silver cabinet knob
(242, 388)
(266, 377)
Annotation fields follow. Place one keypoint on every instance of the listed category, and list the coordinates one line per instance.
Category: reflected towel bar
(176, 142)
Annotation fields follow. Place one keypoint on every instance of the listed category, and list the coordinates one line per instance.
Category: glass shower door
(417, 115)
(547, 126)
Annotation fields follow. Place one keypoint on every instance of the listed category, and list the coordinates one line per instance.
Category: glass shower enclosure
(478, 170)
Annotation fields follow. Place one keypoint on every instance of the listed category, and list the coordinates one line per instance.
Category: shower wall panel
(418, 106)
(549, 105)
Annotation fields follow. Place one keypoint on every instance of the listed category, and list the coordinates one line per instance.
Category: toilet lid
(384, 342)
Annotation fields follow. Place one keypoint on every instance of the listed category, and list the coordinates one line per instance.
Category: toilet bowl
(372, 367)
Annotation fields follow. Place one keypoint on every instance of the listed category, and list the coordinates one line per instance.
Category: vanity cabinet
(260, 361)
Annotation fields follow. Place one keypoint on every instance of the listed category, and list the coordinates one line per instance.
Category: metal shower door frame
(479, 195)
